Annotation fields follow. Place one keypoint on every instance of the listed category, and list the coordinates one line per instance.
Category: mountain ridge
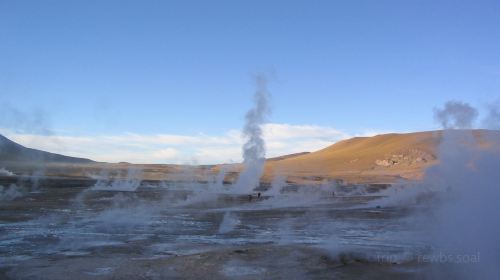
(12, 151)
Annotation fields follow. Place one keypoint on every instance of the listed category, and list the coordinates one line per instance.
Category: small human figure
(258, 195)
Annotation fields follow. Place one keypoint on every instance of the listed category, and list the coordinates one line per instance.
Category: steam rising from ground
(229, 222)
(10, 193)
(254, 149)
(25, 184)
(468, 209)
(463, 192)
(130, 182)
(468, 214)
(5, 172)
(277, 185)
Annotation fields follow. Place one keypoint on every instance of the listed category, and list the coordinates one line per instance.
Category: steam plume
(131, 182)
(456, 114)
(467, 215)
(37, 121)
(492, 120)
(254, 150)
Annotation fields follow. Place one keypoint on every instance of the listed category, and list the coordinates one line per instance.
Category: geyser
(254, 149)
(467, 214)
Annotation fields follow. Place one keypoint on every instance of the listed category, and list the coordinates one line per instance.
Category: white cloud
(218, 154)
(274, 131)
(281, 139)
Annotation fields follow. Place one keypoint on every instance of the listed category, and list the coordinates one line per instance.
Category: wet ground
(65, 230)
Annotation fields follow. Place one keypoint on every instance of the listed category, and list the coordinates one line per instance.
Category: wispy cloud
(280, 139)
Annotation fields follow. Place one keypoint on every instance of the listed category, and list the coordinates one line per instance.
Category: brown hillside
(380, 159)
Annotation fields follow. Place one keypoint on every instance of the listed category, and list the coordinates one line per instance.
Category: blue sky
(114, 68)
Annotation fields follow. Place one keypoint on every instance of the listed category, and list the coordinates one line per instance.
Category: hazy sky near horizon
(77, 74)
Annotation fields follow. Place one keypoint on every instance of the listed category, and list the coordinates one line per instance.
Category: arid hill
(378, 159)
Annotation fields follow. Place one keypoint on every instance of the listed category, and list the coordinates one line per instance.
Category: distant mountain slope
(11, 151)
(381, 158)
(287, 156)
